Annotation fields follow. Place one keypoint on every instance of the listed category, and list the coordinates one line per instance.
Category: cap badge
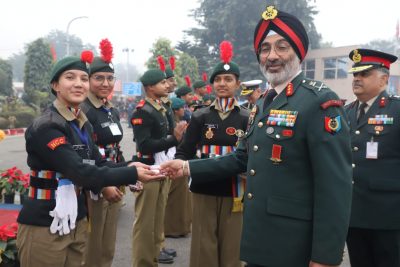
(269, 13)
(356, 56)
(111, 65)
(227, 67)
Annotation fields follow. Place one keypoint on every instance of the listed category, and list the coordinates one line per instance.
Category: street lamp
(69, 24)
(127, 50)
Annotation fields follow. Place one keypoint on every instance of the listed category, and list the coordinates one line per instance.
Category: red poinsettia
(14, 180)
(8, 248)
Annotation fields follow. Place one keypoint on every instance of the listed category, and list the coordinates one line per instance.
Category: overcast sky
(137, 24)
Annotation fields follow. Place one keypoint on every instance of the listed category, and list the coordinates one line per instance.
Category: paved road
(12, 153)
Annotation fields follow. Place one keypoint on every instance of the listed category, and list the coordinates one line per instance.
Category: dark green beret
(208, 97)
(223, 68)
(199, 84)
(184, 90)
(99, 65)
(67, 63)
(177, 103)
(169, 73)
(152, 77)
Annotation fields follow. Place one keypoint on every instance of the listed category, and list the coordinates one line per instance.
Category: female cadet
(107, 135)
(63, 161)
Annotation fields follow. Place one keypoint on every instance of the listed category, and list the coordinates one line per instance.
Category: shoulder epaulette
(314, 85)
(332, 103)
(395, 97)
(141, 103)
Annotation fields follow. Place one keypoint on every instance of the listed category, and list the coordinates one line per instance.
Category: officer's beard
(290, 68)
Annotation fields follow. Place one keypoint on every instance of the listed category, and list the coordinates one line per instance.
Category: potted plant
(23, 187)
(10, 182)
(8, 248)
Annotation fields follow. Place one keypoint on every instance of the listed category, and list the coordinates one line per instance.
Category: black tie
(362, 111)
(269, 98)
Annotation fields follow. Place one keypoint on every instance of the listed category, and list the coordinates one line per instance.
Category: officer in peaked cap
(374, 234)
(252, 91)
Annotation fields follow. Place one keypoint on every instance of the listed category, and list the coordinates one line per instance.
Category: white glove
(171, 153)
(66, 209)
(160, 157)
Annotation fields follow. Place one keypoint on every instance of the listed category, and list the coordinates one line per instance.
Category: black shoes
(165, 258)
(169, 251)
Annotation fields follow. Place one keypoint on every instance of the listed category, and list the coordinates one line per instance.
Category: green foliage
(17, 62)
(162, 47)
(14, 107)
(6, 76)
(187, 65)
(232, 20)
(37, 72)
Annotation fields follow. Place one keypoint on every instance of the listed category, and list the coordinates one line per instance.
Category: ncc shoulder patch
(137, 121)
(332, 103)
(141, 103)
(314, 85)
(56, 142)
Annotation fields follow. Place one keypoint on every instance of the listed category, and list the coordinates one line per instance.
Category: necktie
(269, 98)
(361, 114)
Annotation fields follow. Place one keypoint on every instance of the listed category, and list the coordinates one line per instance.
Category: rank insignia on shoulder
(141, 103)
(332, 103)
(333, 124)
(137, 121)
(56, 142)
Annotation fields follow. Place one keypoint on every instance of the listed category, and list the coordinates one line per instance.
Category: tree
(6, 75)
(228, 20)
(37, 74)
(17, 62)
(187, 65)
(58, 41)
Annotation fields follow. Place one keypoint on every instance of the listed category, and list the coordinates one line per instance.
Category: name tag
(105, 124)
(89, 161)
(372, 150)
(114, 129)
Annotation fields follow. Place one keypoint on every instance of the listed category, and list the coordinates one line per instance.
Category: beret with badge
(103, 63)
(184, 90)
(154, 76)
(226, 66)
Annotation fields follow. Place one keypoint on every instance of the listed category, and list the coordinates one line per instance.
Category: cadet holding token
(64, 161)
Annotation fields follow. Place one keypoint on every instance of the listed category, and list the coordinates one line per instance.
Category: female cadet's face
(72, 87)
(225, 85)
(102, 84)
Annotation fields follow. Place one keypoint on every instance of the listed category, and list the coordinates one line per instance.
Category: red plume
(226, 51)
(106, 50)
(209, 89)
(188, 82)
(87, 56)
(161, 63)
(172, 62)
(204, 76)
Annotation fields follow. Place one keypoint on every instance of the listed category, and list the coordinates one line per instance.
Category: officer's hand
(179, 130)
(112, 194)
(175, 168)
(314, 264)
(147, 175)
(139, 164)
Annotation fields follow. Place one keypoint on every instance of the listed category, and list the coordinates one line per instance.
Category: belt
(141, 156)
(214, 150)
(43, 184)
(110, 151)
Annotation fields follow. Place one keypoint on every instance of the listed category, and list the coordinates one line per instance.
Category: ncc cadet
(64, 159)
(217, 206)
(185, 93)
(155, 137)
(252, 91)
(374, 233)
(297, 154)
(178, 212)
(107, 133)
(200, 89)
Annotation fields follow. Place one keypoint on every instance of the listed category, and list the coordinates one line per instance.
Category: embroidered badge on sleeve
(56, 142)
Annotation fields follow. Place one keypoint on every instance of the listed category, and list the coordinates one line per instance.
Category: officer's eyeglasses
(101, 78)
(280, 47)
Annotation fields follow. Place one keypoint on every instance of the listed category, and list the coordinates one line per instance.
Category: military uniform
(297, 155)
(103, 214)
(217, 218)
(59, 145)
(153, 127)
(374, 233)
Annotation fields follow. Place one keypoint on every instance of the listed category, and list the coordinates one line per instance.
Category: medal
(276, 154)
(270, 130)
(239, 133)
(230, 131)
(209, 134)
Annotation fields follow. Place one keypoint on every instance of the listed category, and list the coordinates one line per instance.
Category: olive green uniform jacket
(297, 206)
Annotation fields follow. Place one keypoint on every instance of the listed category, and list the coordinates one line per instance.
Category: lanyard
(108, 111)
(83, 135)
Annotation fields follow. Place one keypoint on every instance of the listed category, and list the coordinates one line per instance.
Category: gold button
(260, 124)
(249, 195)
(357, 132)
(255, 148)
(355, 148)
(252, 172)
(353, 165)
(352, 182)
(277, 136)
